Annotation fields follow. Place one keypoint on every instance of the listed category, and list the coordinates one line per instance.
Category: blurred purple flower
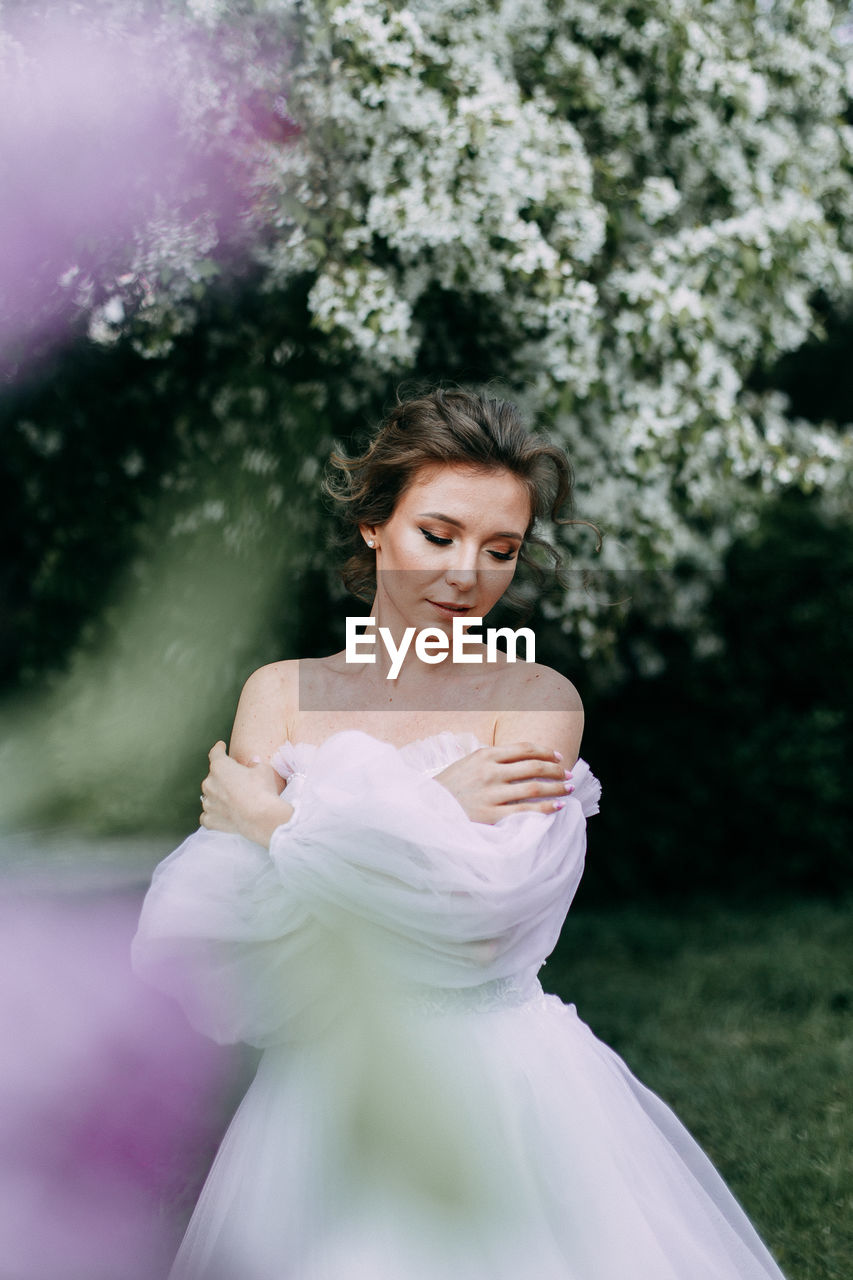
(105, 133)
(110, 1105)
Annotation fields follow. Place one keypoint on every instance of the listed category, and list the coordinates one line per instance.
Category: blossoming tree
(638, 207)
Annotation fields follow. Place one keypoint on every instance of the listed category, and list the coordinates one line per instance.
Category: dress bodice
(429, 756)
(378, 880)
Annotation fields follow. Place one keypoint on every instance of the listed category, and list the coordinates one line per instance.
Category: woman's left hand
(242, 799)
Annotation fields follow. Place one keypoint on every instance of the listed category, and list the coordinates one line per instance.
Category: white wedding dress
(422, 1110)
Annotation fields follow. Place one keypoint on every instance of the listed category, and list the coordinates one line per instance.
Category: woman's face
(451, 545)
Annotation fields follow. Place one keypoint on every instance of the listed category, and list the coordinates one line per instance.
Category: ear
(369, 533)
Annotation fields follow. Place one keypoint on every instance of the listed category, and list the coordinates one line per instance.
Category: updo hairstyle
(457, 427)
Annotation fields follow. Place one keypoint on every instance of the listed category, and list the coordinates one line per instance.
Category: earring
(370, 542)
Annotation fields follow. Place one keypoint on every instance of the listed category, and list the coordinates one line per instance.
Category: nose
(463, 578)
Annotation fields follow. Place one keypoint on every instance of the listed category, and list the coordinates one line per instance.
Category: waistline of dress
(486, 997)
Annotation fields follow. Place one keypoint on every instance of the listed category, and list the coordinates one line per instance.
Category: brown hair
(454, 426)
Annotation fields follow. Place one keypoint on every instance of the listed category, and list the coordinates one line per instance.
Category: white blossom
(647, 208)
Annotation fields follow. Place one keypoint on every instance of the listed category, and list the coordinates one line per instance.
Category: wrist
(266, 819)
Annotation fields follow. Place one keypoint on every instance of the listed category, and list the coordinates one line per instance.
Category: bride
(382, 868)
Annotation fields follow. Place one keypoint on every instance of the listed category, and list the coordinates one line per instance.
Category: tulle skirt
(494, 1143)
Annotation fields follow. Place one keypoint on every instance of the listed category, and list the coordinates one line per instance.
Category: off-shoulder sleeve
(378, 861)
(219, 932)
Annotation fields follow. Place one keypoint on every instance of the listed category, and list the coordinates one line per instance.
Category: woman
(383, 867)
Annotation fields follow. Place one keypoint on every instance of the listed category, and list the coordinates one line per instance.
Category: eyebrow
(437, 515)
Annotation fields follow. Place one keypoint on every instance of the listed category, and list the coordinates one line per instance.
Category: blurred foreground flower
(106, 1096)
(125, 154)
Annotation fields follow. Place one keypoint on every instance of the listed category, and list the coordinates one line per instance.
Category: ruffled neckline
(430, 755)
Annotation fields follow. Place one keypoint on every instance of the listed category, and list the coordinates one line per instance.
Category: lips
(455, 610)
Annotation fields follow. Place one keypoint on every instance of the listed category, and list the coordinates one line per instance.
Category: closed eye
(433, 537)
(445, 542)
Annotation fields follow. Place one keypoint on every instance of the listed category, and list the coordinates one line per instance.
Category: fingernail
(568, 773)
(558, 755)
(255, 760)
(568, 786)
(559, 804)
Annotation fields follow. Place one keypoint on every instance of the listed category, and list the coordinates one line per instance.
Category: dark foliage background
(729, 775)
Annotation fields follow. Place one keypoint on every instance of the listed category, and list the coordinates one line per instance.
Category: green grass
(743, 1022)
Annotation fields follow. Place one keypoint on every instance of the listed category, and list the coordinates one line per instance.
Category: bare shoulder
(272, 679)
(529, 686)
(542, 686)
(266, 706)
(543, 707)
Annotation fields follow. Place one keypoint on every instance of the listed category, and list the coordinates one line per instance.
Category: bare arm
(529, 767)
(242, 792)
(261, 723)
(549, 712)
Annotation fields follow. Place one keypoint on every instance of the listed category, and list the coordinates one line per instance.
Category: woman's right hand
(243, 799)
(495, 781)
